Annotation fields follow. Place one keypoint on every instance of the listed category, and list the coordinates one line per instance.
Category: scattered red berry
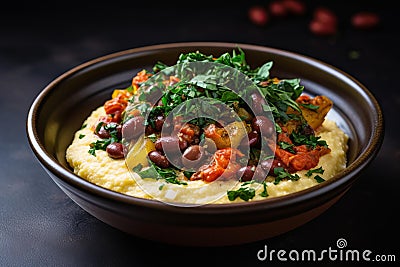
(321, 28)
(277, 9)
(296, 7)
(325, 15)
(258, 15)
(324, 22)
(365, 20)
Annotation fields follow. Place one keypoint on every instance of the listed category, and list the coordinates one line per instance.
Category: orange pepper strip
(118, 102)
(223, 165)
(140, 77)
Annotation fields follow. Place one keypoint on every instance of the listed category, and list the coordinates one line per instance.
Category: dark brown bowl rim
(345, 177)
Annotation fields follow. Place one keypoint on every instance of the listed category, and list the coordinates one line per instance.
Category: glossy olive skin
(247, 173)
(115, 150)
(263, 126)
(170, 144)
(252, 140)
(194, 157)
(257, 103)
(193, 152)
(159, 159)
(133, 128)
(251, 172)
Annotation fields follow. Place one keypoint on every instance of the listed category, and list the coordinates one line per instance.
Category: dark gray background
(41, 226)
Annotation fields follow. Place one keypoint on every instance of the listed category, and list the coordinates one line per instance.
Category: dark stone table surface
(41, 226)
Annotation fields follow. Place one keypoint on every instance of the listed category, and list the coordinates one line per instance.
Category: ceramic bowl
(61, 107)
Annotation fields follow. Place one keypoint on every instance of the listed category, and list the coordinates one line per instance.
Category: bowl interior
(64, 104)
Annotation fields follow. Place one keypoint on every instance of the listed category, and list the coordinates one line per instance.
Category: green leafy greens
(279, 95)
(102, 144)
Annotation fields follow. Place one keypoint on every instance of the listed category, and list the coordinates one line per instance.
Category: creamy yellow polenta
(113, 174)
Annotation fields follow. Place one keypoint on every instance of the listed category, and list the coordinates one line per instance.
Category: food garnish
(213, 149)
